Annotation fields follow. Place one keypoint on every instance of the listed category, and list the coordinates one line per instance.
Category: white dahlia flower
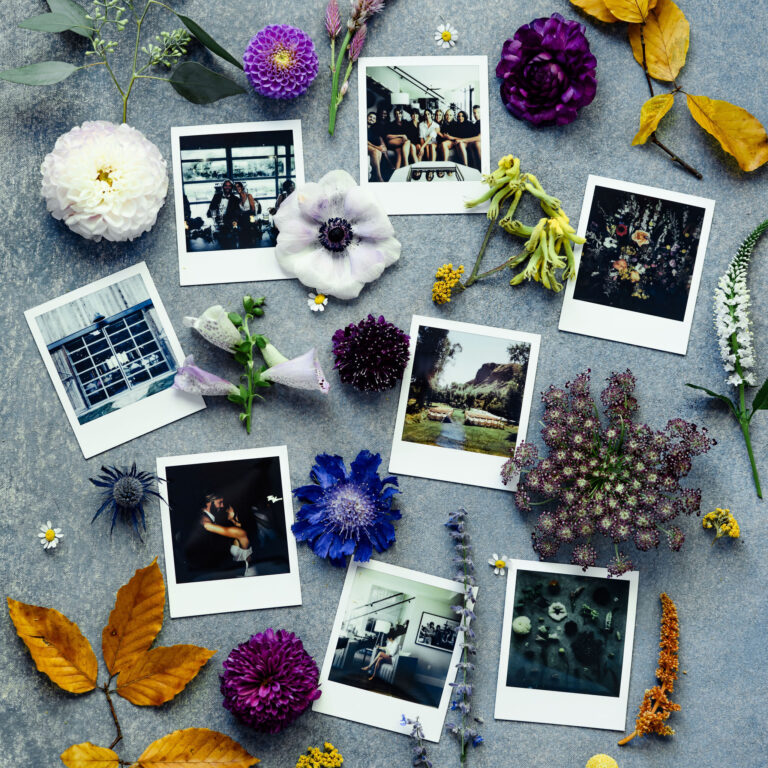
(105, 180)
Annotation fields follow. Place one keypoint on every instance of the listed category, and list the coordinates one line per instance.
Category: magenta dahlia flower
(281, 62)
(547, 71)
(269, 680)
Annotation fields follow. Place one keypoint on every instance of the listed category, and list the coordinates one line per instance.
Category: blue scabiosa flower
(125, 494)
(347, 511)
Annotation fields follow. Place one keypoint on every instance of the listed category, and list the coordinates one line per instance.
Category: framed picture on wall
(437, 632)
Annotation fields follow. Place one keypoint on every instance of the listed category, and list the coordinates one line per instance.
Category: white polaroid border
(134, 420)
(229, 595)
(234, 265)
(403, 199)
(448, 464)
(557, 707)
(623, 325)
(368, 707)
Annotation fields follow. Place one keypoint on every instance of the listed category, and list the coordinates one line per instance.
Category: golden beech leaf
(595, 8)
(633, 11)
(158, 675)
(88, 755)
(57, 646)
(650, 116)
(135, 620)
(193, 748)
(666, 34)
(740, 134)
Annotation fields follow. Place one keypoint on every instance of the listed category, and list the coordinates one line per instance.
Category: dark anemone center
(335, 234)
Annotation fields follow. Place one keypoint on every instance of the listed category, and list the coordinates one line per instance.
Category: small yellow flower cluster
(601, 761)
(446, 279)
(328, 757)
(723, 522)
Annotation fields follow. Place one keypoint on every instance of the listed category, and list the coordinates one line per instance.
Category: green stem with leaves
(335, 98)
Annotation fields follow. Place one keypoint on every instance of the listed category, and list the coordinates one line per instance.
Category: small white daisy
(446, 36)
(499, 564)
(317, 301)
(50, 536)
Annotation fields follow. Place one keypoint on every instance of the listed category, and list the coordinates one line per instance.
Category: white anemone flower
(446, 36)
(50, 536)
(215, 327)
(105, 181)
(334, 236)
(499, 564)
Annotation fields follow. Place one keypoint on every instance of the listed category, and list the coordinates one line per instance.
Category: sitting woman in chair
(386, 653)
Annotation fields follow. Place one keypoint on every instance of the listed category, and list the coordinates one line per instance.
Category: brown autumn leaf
(595, 8)
(135, 620)
(633, 11)
(57, 645)
(88, 755)
(666, 34)
(740, 134)
(195, 747)
(158, 675)
(650, 116)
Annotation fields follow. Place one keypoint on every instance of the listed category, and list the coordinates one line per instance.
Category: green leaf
(205, 39)
(247, 303)
(235, 318)
(241, 358)
(760, 401)
(233, 398)
(243, 393)
(42, 73)
(79, 24)
(201, 85)
(260, 341)
(724, 398)
(47, 22)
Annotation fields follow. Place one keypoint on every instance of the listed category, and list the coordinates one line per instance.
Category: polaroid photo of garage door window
(639, 270)
(464, 402)
(111, 352)
(229, 181)
(566, 646)
(393, 649)
(424, 144)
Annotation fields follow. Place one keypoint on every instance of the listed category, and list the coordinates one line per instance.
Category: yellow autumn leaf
(135, 620)
(650, 116)
(193, 748)
(57, 646)
(633, 11)
(666, 34)
(596, 8)
(158, 675)
(88, 755)
(740, 134)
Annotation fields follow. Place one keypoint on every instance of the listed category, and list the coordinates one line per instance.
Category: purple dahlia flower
(371, 355)
(269, 680)
(547, 71)
(281, 62)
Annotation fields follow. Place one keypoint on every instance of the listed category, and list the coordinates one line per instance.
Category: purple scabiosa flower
(371, 355)
(269, 680)
(281, 62)
(125, 494)
(347, 512)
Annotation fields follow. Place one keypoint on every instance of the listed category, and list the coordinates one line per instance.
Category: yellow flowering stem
(473, 276)
(486, 196)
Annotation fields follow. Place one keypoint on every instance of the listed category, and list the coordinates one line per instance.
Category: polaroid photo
(638, 273)
(227, 520)
(566, 646)
(111, 353)
(464, 402)
(424, 143)
(393, 649)
(229, 181)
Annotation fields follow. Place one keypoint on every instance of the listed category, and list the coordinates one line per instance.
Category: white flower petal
(302, 372)
(366, 215)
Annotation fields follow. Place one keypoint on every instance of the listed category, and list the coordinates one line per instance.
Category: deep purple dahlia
(547, 71)
(281, 62)
(269, 680)
(371, 355)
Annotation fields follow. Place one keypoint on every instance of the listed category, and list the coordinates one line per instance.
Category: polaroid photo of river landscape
(464, 402)
(566, 647)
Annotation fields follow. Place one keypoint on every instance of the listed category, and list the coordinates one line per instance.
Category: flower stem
(248, 405)
(335, 86)
(119, 735)
(474, 276)
(748, 441)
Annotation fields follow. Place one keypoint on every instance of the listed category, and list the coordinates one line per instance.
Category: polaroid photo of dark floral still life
(638, 272)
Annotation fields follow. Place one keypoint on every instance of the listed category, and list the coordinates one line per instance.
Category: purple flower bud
(358, 41)
(332, 19)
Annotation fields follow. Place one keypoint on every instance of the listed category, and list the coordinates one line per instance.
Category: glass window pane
(253, 151)
(84, 365)
(74, 344)
(98, 346)
(204, 170)
(116, 338)
(158, 370)
(116, 388)
(262, 188)
(147, 348)
(87, 376)
(134, 318)
(114, 326)
(102, 356)
(203, 154)
(255, 168)
(200, 193)
(143, 338)
(138, 328)
(97, 397)
(78, 355)
(137, 378)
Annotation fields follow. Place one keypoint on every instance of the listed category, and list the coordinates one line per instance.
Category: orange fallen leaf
(633, 11)
(650, 116)
(88, 755)
(195, 747)
(740, 134)
(135, 620)
(596, 8)
(57, 645)
(158, 675)
(666, 34)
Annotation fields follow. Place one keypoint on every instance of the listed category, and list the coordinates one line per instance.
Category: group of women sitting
(429, 136)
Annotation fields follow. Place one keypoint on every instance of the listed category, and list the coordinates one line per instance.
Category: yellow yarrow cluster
(328, 757)
(601, 761)
(446, 279)
(723, 522)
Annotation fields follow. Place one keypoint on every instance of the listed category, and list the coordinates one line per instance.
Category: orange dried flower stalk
(656, 706)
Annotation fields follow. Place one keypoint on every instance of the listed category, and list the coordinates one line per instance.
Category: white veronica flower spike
(446, 36)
